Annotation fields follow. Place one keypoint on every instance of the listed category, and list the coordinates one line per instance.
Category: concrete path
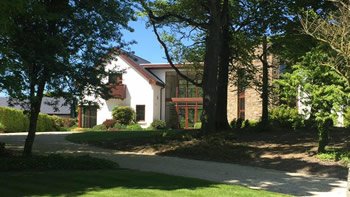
(252, 177)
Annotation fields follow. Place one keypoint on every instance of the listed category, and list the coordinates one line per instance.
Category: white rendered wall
(139, 92)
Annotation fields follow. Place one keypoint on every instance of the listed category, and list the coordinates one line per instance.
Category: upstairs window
(115, 78)
(140, 113)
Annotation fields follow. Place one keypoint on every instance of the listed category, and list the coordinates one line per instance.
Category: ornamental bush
(134, 127)
(119, 126)
(109, 123)
(158, 124)
(198, 125)
(286, 117)
(99, 127)
(124, 114)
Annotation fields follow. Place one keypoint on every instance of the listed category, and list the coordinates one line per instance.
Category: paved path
(252, 177)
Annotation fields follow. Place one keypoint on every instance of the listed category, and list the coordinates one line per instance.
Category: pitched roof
(45, 107)
(136, 61)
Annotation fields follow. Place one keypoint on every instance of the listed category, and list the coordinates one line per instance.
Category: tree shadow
(75, 183)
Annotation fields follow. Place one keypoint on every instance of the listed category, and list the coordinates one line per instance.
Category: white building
(154, 91)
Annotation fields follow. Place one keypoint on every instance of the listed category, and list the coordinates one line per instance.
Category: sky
(147, 46)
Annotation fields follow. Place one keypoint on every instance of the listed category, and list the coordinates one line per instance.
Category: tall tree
(333, 29)
(58, 46)
(318, 87)
(210, 18)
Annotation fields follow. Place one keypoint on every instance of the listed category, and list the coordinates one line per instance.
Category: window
(115, 77)
(140, 113)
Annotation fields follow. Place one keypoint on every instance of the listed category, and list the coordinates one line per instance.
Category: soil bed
(291, 151)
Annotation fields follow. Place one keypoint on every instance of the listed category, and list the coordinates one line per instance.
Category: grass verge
(115, 183)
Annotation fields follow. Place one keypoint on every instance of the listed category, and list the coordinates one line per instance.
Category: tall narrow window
(140, 112)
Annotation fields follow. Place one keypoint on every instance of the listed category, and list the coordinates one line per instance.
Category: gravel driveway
(252, 177)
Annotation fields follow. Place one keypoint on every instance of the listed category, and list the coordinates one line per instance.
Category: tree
(210, 17)
(333, 29)
(58, 46)
(320, 88)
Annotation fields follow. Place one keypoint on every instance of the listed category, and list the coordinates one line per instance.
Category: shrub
(118, 125)
(46, 123)
(198, 125)
(109, 123)
(99, 127)
(158, 124)
(69, 122)
(134, 127)
(286, 117)
(182, 123)
(124, 114)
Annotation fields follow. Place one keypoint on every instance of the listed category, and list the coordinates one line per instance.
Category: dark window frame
(144, 113)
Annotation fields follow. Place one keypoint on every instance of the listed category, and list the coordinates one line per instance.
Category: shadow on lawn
(74, 183)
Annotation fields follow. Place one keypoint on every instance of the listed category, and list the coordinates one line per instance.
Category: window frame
(144, 113)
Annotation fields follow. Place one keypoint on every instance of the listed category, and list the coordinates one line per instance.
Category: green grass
(333, 154)
(97, 136)
(115, 183)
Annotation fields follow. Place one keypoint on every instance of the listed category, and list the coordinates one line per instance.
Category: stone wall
(253, 101)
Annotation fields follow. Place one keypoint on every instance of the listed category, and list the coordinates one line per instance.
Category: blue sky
(147, 45)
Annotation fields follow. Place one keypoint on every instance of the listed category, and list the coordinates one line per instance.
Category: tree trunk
(211, 63)
(221, 108)
(35, 104)
(265, 87)
(323, 136)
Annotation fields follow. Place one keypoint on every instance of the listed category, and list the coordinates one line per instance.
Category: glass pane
(182, 117)
(191, 112)
(140, 112)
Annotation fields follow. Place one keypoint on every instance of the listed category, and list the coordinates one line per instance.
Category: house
(63, 111)
(156, 92)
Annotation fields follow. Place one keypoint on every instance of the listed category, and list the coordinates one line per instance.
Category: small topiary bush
(109, 123)
(134, 127)
(286, 117)
(124, 114)
(99, 127)
(198, 125)
(117, 125)
(158, 124)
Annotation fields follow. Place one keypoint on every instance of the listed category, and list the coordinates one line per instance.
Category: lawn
(114, 183)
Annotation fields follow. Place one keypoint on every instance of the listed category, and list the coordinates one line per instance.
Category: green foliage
(236, 123)
(13, 120)
(68, 122)
(100, 127)
(46, 123)
(119, 126)
(134, 127)
(158, 124)
(124, 114)
(346, 118)
(182, 124)
(109, 123)
(55, 162)
(317, 86)
(335, 155)
(286, 117)
(198, 125)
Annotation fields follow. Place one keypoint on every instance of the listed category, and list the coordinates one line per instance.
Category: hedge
(13, 120)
